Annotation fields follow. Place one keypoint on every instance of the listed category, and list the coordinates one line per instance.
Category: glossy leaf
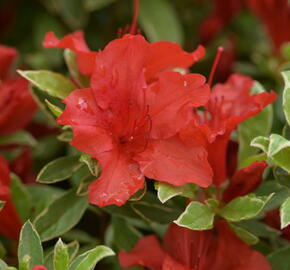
(54, 84)
(89, 259)
(166, 191)
(21, 197)
(159, 21)
(61, 215)
(197, 216)
(91, 163)
(59, 169)
(124, 235)
(61, 256)
(30, 245)
(259, 125)
(245, 207)
(285, 213)
(54, 109)
(3, 265)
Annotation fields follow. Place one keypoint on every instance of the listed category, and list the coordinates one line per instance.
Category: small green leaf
(261, 143)
(54, 109)
(245, 207)
(61, 256)
(54, 84)
(20, 137)
(30, 245)
(91, 163)
(89, 259)
(166, 191)
(70, 59)
(286, 95)
(21, 197)
(59, 169)
(61, 215)
(259, 125)
(2, 203)
(282, 176)
(159, 21)
(197, 216)
(245, 235)
(279, 259)
(24, 263)
(285, 213)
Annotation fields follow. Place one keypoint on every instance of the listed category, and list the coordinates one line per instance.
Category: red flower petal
(171, 101)
(75, 42)
(10, 224)
(39, 267)
(147, 253)
(166, 55)
(119, 180)
(7, 57)
(171, 264)
(245, 181)
(175, 163)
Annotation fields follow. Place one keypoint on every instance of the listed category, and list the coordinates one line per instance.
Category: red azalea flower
(162, 54)
(130, 125)
(16, 104)
(39, 267)
(229, 104)
(184, 249)
(275, 15)
(222, 14)
(10, 224)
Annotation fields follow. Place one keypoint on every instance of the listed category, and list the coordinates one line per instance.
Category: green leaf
(285, 213)
(282, 176)
(73, 13)
(53, 83)
(91, 163)
(166, 191)
(125, 236)
(92, 5)
(61, 215)
(89, 259)
(245, 235)
(30, 245)
(261, 143)
(245, 207)
(61, 256)
(24, 263)
(3, 265)
(259, 125)
(279, 259)
(21, 197)
(20, 137)
(279, 151)
(197, 216)
(59, 169)
(70, 59)
(286, 95)
(159, 21)
(54, 109)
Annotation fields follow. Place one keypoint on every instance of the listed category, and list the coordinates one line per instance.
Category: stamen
(220, 51)
(134, 21)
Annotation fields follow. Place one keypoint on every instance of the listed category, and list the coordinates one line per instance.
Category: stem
(220, 51)
(134, 21)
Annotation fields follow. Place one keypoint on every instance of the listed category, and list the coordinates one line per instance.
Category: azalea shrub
(148, 134)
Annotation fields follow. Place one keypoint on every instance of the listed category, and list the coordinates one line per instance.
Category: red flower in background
(222, 14)
(16, 104)
(184, 249)
(229, 104)
(10, 224)
(275, 15)
(129, 119)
